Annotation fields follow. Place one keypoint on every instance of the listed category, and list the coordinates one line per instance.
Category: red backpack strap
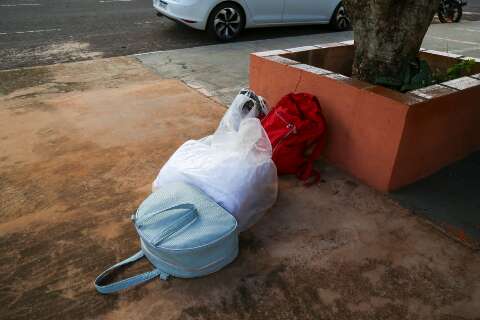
(307, 173)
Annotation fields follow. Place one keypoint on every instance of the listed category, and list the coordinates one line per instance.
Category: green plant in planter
(456, 71)
(418, 75)
(388, 35)
(415, 75)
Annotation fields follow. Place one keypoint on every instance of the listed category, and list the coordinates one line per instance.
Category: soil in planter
(338, 59)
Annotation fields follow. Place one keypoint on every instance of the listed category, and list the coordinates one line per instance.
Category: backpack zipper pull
(292, 127)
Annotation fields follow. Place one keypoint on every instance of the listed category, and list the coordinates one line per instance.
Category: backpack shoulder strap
(123, 284)
(307, 171)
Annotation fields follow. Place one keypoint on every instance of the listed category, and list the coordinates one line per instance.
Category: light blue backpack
(183, 233)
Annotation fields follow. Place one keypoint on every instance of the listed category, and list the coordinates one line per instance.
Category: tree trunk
(388, 35)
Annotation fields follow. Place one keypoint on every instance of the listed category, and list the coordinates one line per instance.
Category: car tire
(455, 19)
(340, 20)
(226, 21)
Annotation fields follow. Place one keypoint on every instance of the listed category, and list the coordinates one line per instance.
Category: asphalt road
(38, 32)
(472, 7)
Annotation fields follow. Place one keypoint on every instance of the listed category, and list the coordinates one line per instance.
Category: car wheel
(340, 20)
(226, 21)
(449, 14)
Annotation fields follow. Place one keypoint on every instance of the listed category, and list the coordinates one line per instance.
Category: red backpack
(296, 129)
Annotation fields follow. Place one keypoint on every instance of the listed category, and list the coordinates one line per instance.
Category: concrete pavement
(40, 32)
(80, 145)
(221, 70)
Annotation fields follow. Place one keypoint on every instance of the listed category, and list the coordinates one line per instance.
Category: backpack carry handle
(126, 283)
(186, 208)
(154, 232)
(187, 214)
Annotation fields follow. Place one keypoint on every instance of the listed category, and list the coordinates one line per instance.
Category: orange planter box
(385, 138)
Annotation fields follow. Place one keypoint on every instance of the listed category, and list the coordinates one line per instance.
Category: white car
(226, 19)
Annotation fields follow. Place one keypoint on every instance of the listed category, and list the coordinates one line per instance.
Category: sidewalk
(80, 145)
(222, 70)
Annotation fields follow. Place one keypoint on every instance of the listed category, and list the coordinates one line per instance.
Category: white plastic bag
(233, 166)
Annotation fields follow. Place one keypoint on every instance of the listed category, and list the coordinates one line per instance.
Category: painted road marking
(20, 4)
(144, 22)
(108, 1)
(471, 30)
(454, 40)
(29, 31)
(471, 13)
(465, 50)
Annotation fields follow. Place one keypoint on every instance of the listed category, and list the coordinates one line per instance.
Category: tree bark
(388, 35)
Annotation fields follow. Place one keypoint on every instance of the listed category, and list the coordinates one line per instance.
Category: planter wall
(385, 138)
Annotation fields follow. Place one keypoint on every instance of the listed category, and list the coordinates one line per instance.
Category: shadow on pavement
(449, 198)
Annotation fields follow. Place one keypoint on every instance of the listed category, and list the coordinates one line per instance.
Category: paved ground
(81, 144)
(222, 75)
(450, 199)
(472, 8)
(40, 32)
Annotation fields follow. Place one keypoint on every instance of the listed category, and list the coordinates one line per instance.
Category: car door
(266, 11)
(308, 10)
